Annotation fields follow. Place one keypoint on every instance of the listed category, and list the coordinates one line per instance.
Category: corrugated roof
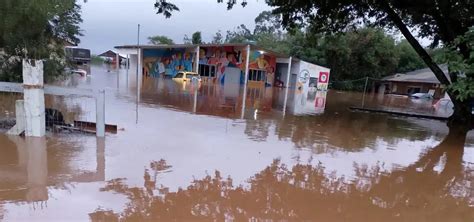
(421, 75)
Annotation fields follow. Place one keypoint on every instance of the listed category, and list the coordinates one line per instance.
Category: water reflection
(329, 164)
(304, 192)
(29, 166)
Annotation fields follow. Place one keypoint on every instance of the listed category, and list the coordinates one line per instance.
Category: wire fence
(63, 114)
(7, 109)
(373, 97)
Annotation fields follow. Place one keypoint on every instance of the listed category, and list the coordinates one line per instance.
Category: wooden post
(100, 118)
(34, 98)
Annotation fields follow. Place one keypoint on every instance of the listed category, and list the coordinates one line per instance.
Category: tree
(409, 60)
(218, 38)
(443, 21)
(37, 30)
(240, 34)
(187, 40)
(160, 40)
(266, 22)
(196, 38)
(358, 54)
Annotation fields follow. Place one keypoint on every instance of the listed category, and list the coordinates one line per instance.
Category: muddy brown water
(192, 157)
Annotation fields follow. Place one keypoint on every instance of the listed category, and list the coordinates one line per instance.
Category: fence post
(34, 98)
(20, 124)
(100, 118)
(365, 89)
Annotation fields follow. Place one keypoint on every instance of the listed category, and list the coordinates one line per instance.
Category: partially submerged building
(228, 64)
(418, 81)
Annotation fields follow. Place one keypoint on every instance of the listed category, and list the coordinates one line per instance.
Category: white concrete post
(20, 125)
(34, 98)
(100, 118)
(128, 62)
(247, 61)
(287, 84)
(196, 60)
(140, 62)
(117, 59)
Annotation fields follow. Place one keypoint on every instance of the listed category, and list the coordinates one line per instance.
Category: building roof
(421, 76)
(110, 54)
(164, 46)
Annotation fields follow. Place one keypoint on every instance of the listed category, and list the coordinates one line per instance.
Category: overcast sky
(108, 23)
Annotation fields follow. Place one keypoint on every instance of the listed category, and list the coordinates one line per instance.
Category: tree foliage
(36, 30)
(408, 59)
(218, 38)
(196, 38)
(160, 40)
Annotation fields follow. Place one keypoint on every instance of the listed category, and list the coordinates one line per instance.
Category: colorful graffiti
(226, 61)
(223, 58)
(161, 62)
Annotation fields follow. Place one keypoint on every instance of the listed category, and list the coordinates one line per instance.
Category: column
(196, 60)
(244, 96)
(34, 98)
(287, 85)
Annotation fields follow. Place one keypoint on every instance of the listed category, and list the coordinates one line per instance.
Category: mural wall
(228, 60)
(168, 62)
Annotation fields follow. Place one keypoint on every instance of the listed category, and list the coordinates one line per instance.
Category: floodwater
(203, 153)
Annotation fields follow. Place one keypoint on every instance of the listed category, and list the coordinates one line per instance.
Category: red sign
(323, 77)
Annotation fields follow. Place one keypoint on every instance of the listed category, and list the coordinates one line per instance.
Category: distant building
(227, 64)
(112, 56)
(418, 81)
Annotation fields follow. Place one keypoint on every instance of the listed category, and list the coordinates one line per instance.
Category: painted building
(228, 64)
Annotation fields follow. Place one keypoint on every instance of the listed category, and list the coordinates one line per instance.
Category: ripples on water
(193, 157)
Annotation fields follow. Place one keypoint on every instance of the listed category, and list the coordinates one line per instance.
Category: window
(413, 89)
(256, 75)
(207, 70)
(179, 75)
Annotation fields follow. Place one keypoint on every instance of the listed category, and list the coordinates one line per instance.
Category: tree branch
(415, 44)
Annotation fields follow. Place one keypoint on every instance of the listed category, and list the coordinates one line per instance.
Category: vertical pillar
(246, 77)
(196, 59)
(100, 112)
(34, 98)
(195, 98)
(117, 59)
(140, 62)
(128, 62)
(287, 84)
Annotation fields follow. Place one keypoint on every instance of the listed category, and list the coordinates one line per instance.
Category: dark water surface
(192, 157)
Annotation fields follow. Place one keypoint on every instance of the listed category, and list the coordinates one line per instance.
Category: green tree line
(36, 30)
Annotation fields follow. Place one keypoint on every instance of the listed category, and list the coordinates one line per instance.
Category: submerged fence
(80, 110)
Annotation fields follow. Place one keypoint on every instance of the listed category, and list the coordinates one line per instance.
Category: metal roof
(164, 46)
(421, 75)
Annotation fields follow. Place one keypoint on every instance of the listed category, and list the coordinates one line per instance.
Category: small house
(418, 81)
